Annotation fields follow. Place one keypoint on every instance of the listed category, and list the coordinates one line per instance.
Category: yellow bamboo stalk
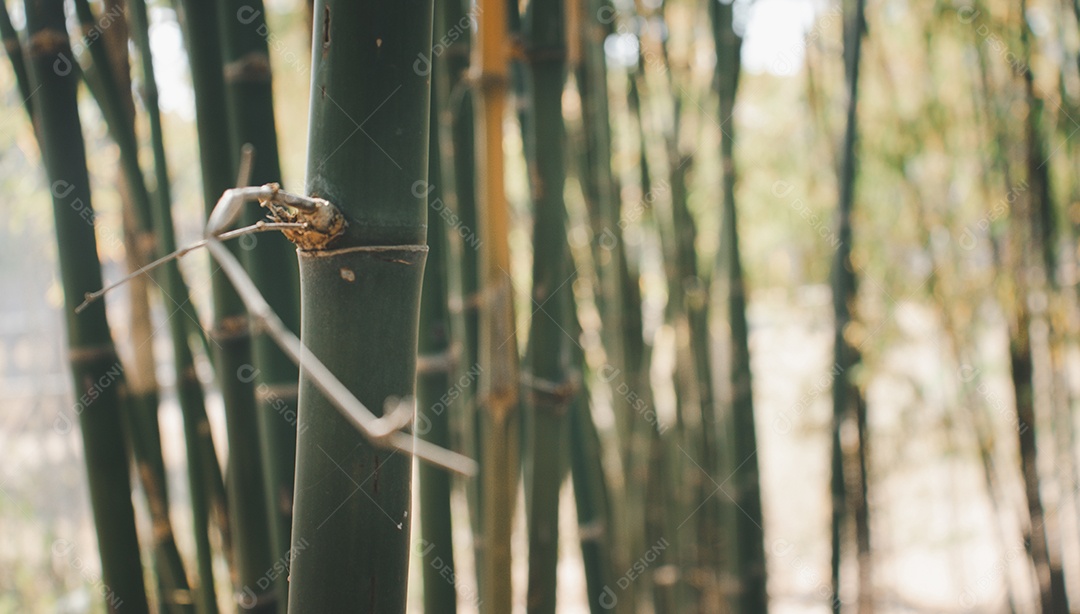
(498, 344)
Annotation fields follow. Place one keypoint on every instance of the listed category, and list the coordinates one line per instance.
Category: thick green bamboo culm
(96, 369)
(435, 367)
(252, 555)
(197, 434)
(360, 301)
(271, 261)
(739, 433)
(550, 383)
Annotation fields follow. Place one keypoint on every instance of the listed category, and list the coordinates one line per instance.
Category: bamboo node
(47, 42)
(441, 362)
(253, 67)
(556, 394)
(86, 354)
(232, 327)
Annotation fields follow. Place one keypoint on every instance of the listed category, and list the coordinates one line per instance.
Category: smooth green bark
(368, 142)
(271, 260)
(96, 370)
(252, 555)
(197, 435)
(436, 364)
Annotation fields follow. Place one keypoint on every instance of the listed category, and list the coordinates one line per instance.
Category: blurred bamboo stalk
(848, 461)
(110, 75)
(1029, 233)
(201, 458)
(437, 359)
(457, 140)
(551, 381)
(13, 47)
(98, 376)
(498, 355)
(248, 520)
(271, 261)
(738, 435)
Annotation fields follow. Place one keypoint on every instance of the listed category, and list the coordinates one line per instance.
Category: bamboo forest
(538, 306)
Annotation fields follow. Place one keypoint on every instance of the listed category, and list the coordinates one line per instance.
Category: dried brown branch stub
(323, 221)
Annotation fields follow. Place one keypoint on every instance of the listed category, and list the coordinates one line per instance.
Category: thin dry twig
(383, 431)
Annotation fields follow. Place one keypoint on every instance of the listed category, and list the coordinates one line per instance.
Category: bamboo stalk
(497, 336)
(436, 364)
(1028, 238)
(847, 403)
(551, 381)
(368, 140)
(740, 458)
(197, 434)
(142, 389)
(603, 203)
(97, 375)
(271, 262)
(13, 47)
(461, 146)
(252, 556)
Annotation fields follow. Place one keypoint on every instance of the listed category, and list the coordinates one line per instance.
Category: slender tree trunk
(10, 38)
(436, 363)
(741, 458)
(368, 145)
(498, 355)
(200, 445)
(97, 374)
(459, 141)
(231, 336)
(1028, 236)
(271, 260)
(847, 404)
(551, 383)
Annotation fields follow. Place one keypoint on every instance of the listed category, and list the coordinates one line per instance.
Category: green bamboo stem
(603, 203)
(352, 498)
(197, 434)
(698, 462)
(112, 87)
(94, 363)
(846, 402)
(602, 200)
(271, 262)
(498, 355)
(1028, 243)
(436, 362)
(462, 144)
(252, 556)
(550, 384)
(741, 441)
(14, 50)
(649, 443)
(592, 500)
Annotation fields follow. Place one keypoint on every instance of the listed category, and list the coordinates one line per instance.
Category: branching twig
(319, 222)
(183, 251)
(383, 431)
